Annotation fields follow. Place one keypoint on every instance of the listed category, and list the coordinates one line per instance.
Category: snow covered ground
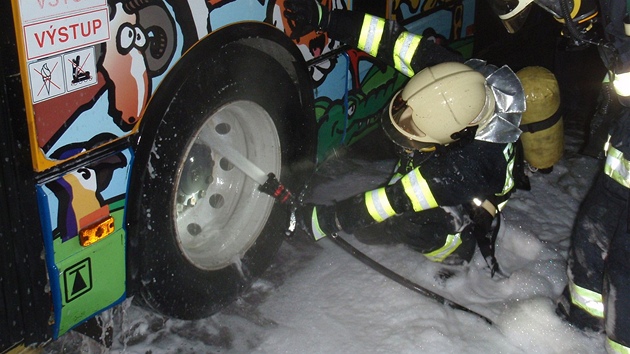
(317, 298)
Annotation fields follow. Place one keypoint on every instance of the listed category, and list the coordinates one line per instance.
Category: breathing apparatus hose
(566, 15)
(607, 51)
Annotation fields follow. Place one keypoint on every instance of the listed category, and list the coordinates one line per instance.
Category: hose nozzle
(277, 190)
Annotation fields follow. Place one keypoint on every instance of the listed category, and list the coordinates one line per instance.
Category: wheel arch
(261, 36)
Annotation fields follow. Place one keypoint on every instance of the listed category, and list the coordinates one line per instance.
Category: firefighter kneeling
(457, 124)
(458, 133)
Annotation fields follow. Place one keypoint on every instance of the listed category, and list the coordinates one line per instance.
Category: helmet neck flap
(509, 97)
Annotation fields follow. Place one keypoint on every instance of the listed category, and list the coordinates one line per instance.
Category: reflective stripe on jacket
(618, 348)
(388, 41)
(371, 34)
(403, 51)
(417, 190)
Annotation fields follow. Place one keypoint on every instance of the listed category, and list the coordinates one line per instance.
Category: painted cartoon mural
(406, 9)
(119, 75)
(345, 119)
(141, 46)
(80, 195)
(148, 36)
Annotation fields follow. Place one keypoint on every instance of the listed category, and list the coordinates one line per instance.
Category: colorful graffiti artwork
(345, 119)
(146, 39)
(141, 46)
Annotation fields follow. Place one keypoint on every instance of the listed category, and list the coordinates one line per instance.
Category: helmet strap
(464, 136)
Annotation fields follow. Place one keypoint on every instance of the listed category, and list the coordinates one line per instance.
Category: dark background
(579, 71)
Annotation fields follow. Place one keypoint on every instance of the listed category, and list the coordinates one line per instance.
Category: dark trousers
(599, 258)
(425, 232)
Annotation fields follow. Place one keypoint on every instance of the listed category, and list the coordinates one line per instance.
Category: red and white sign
(38, 10)
(46, 79)
(80, 69)
(66, 33)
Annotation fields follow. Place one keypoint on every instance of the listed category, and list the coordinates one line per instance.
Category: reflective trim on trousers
(617, 167)
(587, 300)
(404, 50)
(378, 205)
(418, 191)
(318, 233)
(371, 34)
(452, 242)
(618, 348)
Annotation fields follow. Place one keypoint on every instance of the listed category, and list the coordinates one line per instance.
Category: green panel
(90, 278)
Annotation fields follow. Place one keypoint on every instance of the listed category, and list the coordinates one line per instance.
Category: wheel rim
(219, 211)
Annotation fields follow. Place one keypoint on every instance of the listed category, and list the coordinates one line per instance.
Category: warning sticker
(77, 280)
(80, 69)
(47, 79)
(61, 74)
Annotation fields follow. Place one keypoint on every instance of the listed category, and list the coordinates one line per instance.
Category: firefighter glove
(305, 16)
(318, 221)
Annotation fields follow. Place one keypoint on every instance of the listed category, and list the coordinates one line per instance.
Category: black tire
(201, 232)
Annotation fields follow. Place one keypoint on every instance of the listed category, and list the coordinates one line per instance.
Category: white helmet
(439, 102)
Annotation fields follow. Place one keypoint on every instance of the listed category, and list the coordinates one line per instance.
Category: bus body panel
(85, 279)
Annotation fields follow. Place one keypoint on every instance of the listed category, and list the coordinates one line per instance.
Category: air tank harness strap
(546, 123)
(485, 228)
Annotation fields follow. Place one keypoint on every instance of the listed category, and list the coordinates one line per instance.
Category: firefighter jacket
(457, 174)
(471, 170)
(388, 41)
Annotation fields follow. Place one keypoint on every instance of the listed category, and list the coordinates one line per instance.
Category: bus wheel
(203, 231)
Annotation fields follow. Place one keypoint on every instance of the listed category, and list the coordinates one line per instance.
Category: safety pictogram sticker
(46, 79)
(80, 69)
(77, 280)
